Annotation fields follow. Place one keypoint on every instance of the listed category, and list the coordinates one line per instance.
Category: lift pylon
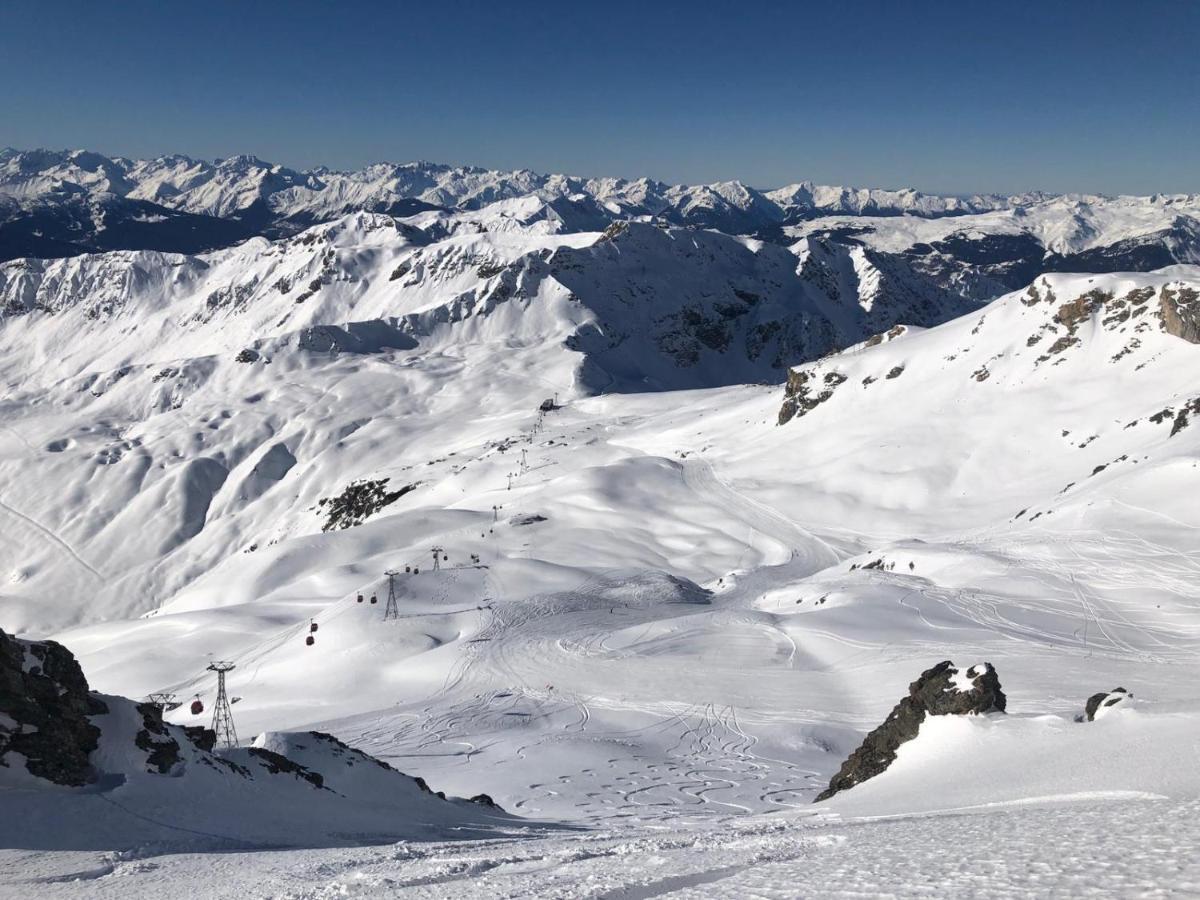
(222, 723)
(391, 611)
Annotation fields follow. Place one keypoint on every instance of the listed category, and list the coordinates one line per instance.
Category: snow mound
(960, 763)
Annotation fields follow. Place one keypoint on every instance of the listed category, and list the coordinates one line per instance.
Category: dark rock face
(1180, 311)
(162, 750)
(164, 756)
(203, 738)
(42, 690)
(1099, 701)
(940, 691)
(278, 764)
(805, 392)
(358, 501)
(1075, 312)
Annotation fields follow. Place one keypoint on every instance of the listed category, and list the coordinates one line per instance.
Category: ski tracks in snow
(503, 696)
(816, 553)
(60, 546)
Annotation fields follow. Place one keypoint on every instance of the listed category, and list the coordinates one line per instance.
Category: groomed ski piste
(659, 620)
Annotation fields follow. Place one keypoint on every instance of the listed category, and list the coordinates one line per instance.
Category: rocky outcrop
(1097, 703)
(805, 392)
(884, 336)
(44, 710)
(204, 738)
(1180, 311)
(360, 500)
(1075, 312)
(164, 753)
(162, 750)
(943, 690)
(278, 764)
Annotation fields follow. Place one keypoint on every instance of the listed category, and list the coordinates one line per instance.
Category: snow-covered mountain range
(645, 307)
(245, 185)
(703, 502)
(64, 203)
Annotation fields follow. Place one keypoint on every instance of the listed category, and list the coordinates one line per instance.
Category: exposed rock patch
(1104, 700)
(358, 501)
(1180, 312)
(805, 392)
(941, 691)
(277, 763)
(890, 335)
(162, 750)
(1034, 295)
(44, 710)
(1073, 313)
(1192, 407)
(1179, 418)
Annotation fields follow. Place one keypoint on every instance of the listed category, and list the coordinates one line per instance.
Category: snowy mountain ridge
(61, 204)
(646, 307)
(228, 187)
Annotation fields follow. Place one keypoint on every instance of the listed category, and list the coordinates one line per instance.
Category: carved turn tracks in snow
(806, 548)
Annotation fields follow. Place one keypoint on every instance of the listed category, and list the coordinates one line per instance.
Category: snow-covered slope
(121, 776)
(659, 615)
(719, 309)
(172, 384)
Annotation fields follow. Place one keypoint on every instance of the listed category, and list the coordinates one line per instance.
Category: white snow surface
(683, 615)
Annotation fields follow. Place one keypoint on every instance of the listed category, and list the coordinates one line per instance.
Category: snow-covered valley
(666, 606)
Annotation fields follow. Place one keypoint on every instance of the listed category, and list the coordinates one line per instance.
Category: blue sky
(952, 97)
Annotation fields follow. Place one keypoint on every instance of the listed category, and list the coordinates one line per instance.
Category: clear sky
(952, 97)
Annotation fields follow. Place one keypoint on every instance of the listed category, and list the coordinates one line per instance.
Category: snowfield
(664, 610)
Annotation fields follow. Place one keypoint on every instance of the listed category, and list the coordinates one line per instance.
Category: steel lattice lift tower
(164, 700)
(222, 723)
(438, 552)
(391, 611)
